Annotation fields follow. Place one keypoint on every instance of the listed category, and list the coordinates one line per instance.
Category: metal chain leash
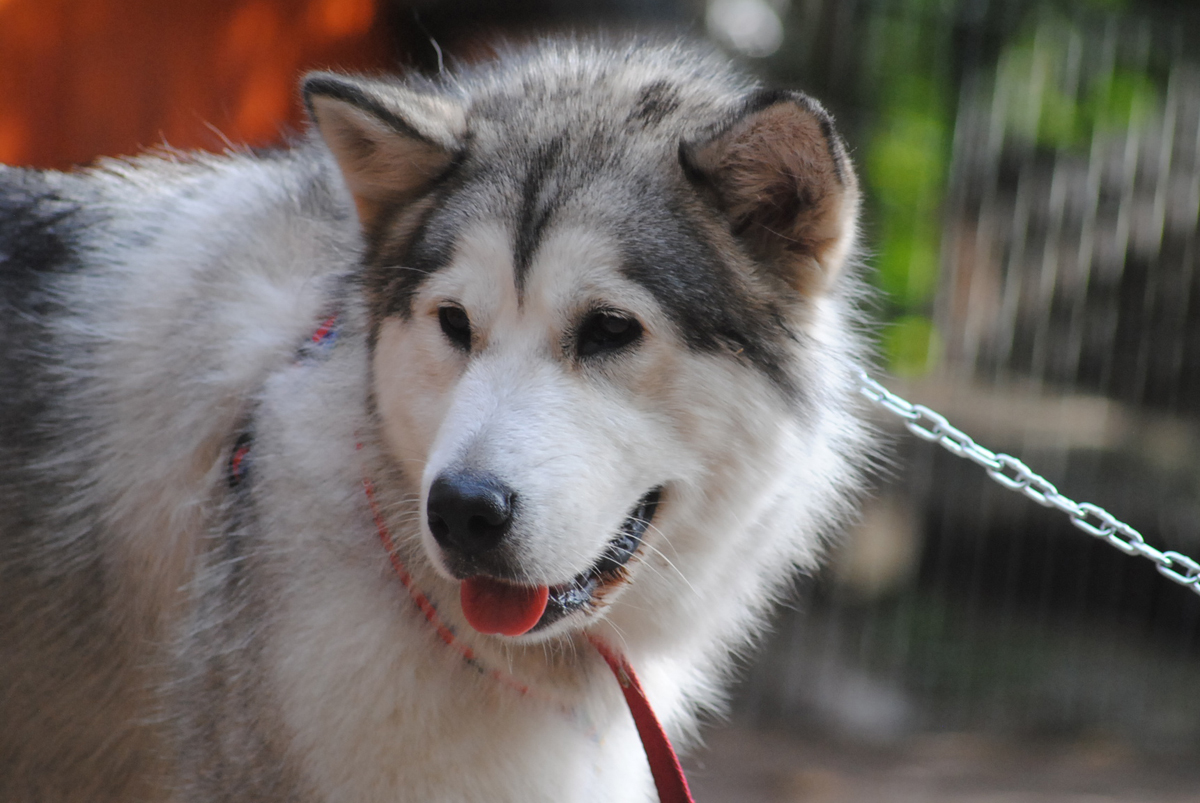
(1016, 476)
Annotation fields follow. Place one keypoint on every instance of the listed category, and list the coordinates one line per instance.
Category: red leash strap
(664, 764)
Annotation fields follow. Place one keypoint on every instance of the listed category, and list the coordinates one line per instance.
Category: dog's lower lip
(571, 596)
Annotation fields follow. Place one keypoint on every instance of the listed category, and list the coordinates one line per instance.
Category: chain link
(1014, 475)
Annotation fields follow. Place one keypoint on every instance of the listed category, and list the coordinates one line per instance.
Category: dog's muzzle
(469, 515)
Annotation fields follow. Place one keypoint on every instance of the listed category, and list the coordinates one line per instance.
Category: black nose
(469, 512)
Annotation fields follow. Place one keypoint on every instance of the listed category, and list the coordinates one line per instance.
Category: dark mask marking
(655, 103)
(536, 209)
(394, 272)
(714, 311)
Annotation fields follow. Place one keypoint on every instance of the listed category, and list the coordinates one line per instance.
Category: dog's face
(588, 325)
(543, 420)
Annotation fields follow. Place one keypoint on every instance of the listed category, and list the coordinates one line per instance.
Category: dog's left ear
(391, 142)
(782, 178)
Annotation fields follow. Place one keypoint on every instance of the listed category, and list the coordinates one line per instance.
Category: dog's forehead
(539, 206)
(593, 149)
(576, 267)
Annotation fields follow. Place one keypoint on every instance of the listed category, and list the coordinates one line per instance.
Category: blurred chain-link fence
(1034, 180)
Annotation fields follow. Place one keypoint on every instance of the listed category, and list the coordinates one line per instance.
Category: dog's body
(592, 335)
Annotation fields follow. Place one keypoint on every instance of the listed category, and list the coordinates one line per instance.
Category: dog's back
(67, 701)
(136, 319)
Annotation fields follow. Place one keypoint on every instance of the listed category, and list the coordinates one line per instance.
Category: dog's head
(608, 331)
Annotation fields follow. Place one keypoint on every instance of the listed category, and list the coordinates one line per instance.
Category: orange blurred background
(85, 78)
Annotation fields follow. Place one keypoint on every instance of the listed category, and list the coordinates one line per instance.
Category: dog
(322, 468)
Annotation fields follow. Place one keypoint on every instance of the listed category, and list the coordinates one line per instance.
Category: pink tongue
(492, 606)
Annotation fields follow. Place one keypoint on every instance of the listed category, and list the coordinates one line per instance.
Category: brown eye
(606, 331)
(456, 326)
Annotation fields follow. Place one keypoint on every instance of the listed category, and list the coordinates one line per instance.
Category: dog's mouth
(586, 588)
(494, 606)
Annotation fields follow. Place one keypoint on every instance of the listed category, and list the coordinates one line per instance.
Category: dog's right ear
(390, 142)
(783, 180)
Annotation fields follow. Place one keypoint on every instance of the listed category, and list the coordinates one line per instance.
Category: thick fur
(172, 631)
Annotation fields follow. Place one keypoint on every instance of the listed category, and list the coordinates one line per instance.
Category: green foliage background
(900, 92)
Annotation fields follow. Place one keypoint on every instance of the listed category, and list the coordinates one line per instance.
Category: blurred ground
(747, 766)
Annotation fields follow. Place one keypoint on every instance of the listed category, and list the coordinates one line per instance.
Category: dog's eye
(604, 331)
(456, 325)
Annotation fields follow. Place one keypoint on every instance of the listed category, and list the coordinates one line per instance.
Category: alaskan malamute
(322, 468)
